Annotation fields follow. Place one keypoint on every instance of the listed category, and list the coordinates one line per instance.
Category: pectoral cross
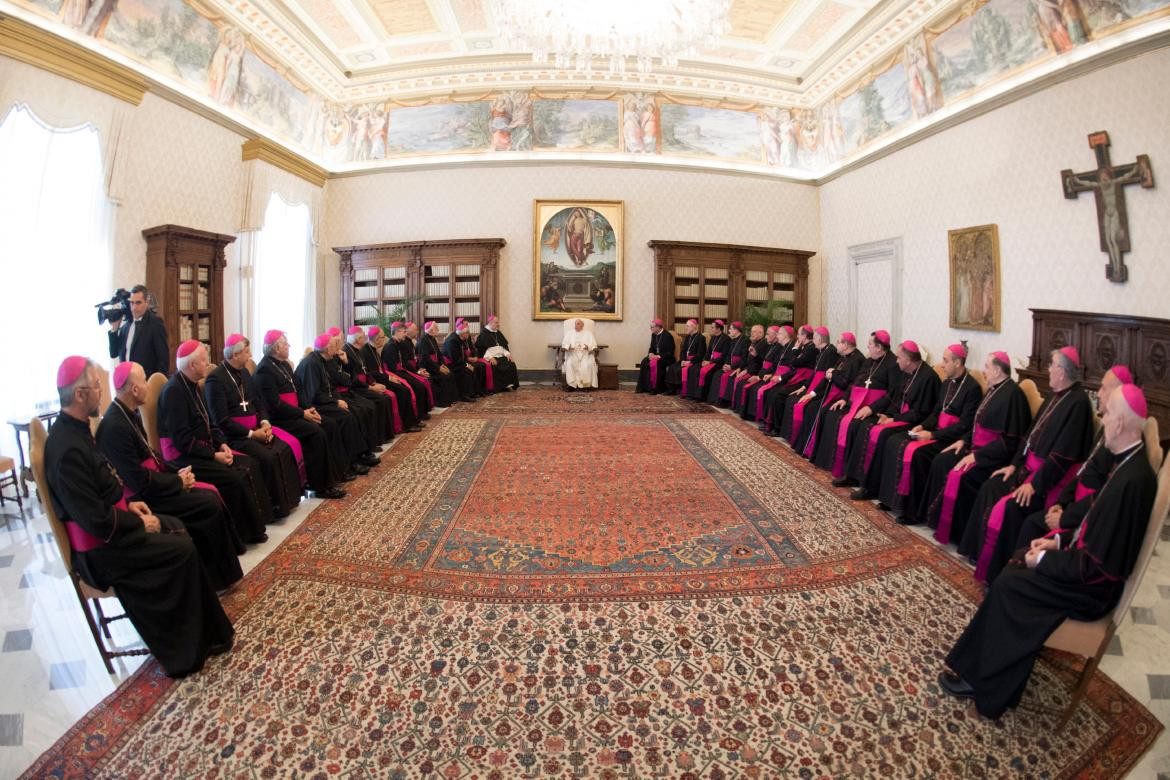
(1107, 183)
(244, 404)
(868, 380)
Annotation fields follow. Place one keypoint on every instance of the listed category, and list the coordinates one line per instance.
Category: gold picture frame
(578, 259)
(975, 277)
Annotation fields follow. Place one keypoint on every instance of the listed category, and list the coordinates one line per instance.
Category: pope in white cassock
(580, 364)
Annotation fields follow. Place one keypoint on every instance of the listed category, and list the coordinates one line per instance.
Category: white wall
(1004, 168)
(485, 202)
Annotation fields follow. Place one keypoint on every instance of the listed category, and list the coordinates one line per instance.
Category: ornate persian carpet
(541, 586)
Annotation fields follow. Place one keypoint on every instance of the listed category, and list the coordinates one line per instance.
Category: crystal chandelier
(572, 33)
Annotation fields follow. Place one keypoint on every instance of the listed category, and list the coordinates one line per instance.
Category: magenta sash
(427, 385)
(1083, 492)
(169, 450)
(835, 393)
(82, 540)
(874, 433)
(761, 389)
(653, 374)
(745, 382)
(398, 426)
(858, 397)
(707, 369)
(290, 399)
(490, 384)
(248, 421)
(995, 519)
(362, 378)
(798, 407)
(413, 400)
(724, 395)
(448, 361)
(980, 437)
(800, 374)
(294, 444)
(944, 420)
(342, 389)
(683, 389)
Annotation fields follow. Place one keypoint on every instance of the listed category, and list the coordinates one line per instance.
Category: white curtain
(278, 259)
(55, 255)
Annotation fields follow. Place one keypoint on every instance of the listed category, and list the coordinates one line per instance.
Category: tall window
(283, 290)
(55, 257)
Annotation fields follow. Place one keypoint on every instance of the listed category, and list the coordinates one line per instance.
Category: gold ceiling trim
(42, 49)
(280, 157)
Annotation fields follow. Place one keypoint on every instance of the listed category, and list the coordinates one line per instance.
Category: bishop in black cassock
(375, 421)
(777, 363)
(348, 372)
(121, 438)
(395, 363)
(317, 392)
(409, 354)
(959, 471)
(869, 395)
(1057, 443)
(690, 354)
(753, 361)
(322, 444)
(659, 357)
(502, 373)
(189, 438)
(455, 358)
(149, 560)
(720, 387)
(430, 364)
(913, 400)
(711, 364)
(237, 410)
(784, 406)
(1079, 575)
(365, 365)
(800, 369)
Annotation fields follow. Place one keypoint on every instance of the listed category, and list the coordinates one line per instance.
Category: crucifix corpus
(1107, 184)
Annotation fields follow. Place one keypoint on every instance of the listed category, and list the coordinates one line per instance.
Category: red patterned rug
(624, 594)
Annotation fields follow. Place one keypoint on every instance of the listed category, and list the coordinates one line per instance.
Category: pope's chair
(1090, 639)
(85, 592)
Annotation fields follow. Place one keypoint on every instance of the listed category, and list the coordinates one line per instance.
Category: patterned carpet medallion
(635, 591)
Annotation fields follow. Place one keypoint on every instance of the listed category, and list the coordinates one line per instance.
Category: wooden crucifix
(1107, 183)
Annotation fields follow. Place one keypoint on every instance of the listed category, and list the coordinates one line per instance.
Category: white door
(875, 288)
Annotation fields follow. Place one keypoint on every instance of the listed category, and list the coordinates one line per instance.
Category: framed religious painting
(578, 259)
(975, 278)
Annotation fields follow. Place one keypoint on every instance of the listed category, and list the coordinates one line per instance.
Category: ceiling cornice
(280, 157)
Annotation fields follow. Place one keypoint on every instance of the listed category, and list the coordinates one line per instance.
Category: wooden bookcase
(446, 280)
(715, 281)
(184, 271)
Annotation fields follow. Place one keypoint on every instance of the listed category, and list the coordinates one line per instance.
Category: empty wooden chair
(86, 594)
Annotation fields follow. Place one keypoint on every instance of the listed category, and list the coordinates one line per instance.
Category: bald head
(132, 393)
(1109, 384)
(1123, 424)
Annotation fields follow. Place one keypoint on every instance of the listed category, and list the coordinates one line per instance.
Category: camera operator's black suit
(149, 349)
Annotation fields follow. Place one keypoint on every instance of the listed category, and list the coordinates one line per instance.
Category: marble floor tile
(15, 641)
(70, 674)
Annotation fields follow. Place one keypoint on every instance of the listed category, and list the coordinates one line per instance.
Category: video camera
(115, 309)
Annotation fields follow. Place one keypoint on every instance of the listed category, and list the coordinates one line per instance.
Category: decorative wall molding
(38, 47)
(280, 157)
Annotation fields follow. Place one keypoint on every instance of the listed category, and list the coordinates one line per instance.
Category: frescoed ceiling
(774, 51)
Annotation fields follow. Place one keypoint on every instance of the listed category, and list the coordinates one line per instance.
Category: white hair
(182, 363)
(65, 394)
(235, 349)
(352, 338)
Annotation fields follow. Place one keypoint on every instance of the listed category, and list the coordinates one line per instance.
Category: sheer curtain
(55, 256)
(283, 294)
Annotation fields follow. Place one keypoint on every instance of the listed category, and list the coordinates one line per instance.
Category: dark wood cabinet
(1104, 340)
(184, 271)
(716, 281)
(444, 280)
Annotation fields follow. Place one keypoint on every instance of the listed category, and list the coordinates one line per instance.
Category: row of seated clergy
(165, 570)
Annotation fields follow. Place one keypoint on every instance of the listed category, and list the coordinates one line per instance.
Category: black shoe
(861, 494)
(349, 476)
(907, 520)
(333, 492)
(220, 647)
(414, 429)
(258, 539)
(955, 685)
(369, 460)
(425, 417)
(842, 482)
(359, 469)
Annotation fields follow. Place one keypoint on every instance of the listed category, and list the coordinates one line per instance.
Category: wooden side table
(20, 426)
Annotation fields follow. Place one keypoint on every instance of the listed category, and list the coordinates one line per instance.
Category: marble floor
(53, 674)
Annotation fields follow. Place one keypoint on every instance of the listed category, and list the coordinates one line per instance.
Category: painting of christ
(577, 259)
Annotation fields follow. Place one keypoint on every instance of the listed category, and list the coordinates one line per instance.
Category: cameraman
(142, 337)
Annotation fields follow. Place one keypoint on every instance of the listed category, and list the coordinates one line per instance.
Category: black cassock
(694, 346)
(915, 398)
(1075, 499)
(803, 433)
(758, 352)
(1001, 421)
(352, 375)
(159, 579)
(326, 459)
(409, 360)
(720, 387)
(237, 409)
(876, 380)
(375, 422)
(504, 373)
(412, 389)
(700, 376)
(1082, 580)
(783, 404)
(189, 438)
(455, 358)
(901, 475)
(316, 390)
(654, 381)
(804, 360)
(368, 368)
(776, 359)
(430, 360)
(145, 477)
(1059, 440)
(749, 365)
